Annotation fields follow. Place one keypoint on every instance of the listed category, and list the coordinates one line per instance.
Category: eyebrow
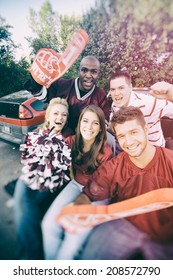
(83, 67)
(91, 120)
(132, 130)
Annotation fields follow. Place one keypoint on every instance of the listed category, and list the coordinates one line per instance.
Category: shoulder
(142, 96)
(70, 140)
(67, 131)
(62, 82)
(110, 165)
(99, 91)
(164, 157)
(107, 153)
(107, 150)
(166, 152)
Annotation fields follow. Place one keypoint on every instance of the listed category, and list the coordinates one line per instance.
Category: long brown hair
(91, 157)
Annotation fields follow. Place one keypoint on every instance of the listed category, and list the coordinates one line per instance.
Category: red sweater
(81, 176)
(119, 178)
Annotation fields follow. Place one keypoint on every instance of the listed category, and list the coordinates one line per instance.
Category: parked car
(20, 113)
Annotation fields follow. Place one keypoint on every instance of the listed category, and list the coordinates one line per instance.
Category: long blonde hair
(53, 101)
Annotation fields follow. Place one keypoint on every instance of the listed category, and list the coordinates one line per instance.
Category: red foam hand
(78, 218)
(49, 66)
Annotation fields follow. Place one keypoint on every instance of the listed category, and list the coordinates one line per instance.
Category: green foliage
(46, 26)
(51, 29)
(134, 35)
(7, 46)
(13, 74)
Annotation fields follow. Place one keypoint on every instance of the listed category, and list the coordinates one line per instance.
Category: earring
(47, 124)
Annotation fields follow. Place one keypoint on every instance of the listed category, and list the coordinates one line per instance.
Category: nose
(129, 139)
(89, 125)
(88, 74)
(59, 117)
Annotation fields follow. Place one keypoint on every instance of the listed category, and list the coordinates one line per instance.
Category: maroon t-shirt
(81, 175)
(119, 178)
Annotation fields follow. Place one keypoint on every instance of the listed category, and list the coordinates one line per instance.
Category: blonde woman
(38, 184)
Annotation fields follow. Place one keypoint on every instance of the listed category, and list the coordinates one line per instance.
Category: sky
(16, 13)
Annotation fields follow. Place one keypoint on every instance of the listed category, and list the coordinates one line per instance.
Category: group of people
(117, 153)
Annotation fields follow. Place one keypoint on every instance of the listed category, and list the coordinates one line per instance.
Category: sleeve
(99, 185)
(37, 90)
(46, 94)
(167, 109)
(70, 140)
(152, 107)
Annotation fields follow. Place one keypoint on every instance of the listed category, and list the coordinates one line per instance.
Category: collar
(78, 91)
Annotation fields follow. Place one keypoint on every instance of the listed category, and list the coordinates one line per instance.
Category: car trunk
(9, 105)
(9, 110)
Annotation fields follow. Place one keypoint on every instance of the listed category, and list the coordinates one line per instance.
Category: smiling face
(120, 90)
(132, 137)
(88, 73)
(57, 117)
(89, 127)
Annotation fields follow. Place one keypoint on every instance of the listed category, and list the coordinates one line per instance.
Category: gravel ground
(9, 170)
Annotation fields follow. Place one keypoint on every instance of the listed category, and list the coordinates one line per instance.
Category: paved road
(9, 170)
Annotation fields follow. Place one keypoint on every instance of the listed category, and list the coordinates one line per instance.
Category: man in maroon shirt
(140, 168)
(79, 92)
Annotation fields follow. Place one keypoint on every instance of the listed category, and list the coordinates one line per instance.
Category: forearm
(162, 90)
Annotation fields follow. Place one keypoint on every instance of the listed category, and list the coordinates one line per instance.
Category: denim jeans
(120, 240)
(52, 231)
(57, 243)
(72, 244)
(29, 209)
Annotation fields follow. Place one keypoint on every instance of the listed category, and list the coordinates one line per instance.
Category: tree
(7, 46)
(51, 29)
(13, 74)
(46, 26)
(133, 35)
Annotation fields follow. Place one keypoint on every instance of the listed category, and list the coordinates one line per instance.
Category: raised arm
(162, 90)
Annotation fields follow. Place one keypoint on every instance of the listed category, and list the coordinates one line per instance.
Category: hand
(71, 225)
(162, 90)
(70, 204)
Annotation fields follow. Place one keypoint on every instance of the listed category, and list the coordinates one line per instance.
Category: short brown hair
(127, 113)
(119, 74)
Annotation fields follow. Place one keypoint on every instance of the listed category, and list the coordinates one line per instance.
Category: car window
(37, 105)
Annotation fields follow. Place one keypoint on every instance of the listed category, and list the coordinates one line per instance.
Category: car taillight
(24, 113)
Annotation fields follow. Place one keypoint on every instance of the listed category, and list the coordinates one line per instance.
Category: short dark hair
(127, 113)
(119, 74)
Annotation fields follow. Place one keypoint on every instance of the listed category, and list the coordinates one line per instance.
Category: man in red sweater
(140, 168)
